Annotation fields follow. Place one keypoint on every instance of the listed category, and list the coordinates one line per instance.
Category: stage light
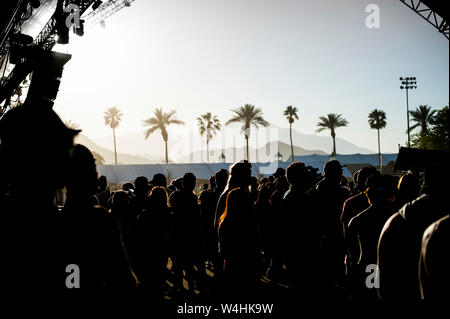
(409, 83)
(96, 5)
(47, 74)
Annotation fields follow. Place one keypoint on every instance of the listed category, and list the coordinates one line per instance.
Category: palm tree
(112, 117)
(248, 115)
(72, 125)
(331, 122)
(423, 116)
(160, 122)
(377, 121)
(210, 125)
(291, 115)
(99, 160)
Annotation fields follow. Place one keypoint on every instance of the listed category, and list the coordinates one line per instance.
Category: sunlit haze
(202, 56)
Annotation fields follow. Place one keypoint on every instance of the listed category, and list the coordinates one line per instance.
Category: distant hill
(184, 146)
(108, 155)
(266, 153)
(321, 142)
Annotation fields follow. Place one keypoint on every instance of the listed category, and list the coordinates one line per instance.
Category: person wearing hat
(279, 172)
(35, 149)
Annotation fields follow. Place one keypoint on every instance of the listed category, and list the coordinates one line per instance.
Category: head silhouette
(158, 197)
(221, 178)
(263, 181)
(264, 193)
(120, 203)
(189, 181)
(333, 171)
(408, 187)
(379, 189)
(362, 176)
(178, 183)
(281, 183)
(141, 186)
(240, 174)
(279, 172)
(127, 187)
(436, 179)
(296, 174)
(212, 182)
(102, 182)
(82, 173)
(159, 180)
(34, 132)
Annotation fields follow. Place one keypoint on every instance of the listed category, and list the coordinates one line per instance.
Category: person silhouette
(328, 198)
(298, 243)
(364, 231)
(103, 193)
(187, 233)
(35, 146)
(211, 236)
(400, 241)
(434, 262)
(92, 237)
(151, 245)
(263, 213)
(238, 237)
(237, 178)
(357, 203)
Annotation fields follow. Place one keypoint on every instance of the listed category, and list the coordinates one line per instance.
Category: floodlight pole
(407, 84)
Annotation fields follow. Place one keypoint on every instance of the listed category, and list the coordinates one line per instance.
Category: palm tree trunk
(379, 152)
(207, 150)
(115, 150)
(167, 153)
(256, 153)
(333, 155)
(246, 139)
(292, 145)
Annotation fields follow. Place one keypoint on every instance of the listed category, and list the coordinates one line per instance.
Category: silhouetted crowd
(295, 234)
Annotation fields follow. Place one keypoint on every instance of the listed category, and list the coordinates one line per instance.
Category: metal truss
(106, 10)
(45, 41)
(429, 15)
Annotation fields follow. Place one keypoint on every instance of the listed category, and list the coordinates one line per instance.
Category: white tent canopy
(127, 173)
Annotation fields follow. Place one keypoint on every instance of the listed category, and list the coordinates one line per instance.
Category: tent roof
(128, 173)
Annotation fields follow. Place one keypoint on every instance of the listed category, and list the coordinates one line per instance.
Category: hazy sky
(209, 55)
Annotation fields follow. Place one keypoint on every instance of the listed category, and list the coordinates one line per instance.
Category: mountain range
(186, 146)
